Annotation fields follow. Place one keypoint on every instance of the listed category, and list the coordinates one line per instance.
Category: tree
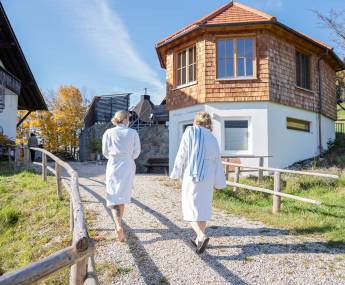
(335, 22)
(58, 128)
(68, 109)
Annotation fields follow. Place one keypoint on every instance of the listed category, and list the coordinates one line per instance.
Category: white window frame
(250, 136)
(254, 61)
(188, 65)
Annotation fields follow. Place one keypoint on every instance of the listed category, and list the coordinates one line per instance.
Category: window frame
(188, 65)
(299, 52)
(298, 121)
(254, 59)
(249, 151)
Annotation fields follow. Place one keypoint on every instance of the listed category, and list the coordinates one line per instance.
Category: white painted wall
(8, 117)
(288, 146)
(268, 135)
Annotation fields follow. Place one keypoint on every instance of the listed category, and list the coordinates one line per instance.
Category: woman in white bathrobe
(120, 145)
(198, 164)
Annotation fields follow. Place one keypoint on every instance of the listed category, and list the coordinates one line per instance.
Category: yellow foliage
(59, 126)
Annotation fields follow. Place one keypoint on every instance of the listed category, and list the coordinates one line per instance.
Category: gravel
(158, 249)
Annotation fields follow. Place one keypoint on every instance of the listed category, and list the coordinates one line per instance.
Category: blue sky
(107, 46)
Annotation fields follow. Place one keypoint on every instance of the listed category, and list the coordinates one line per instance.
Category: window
(186, 66)
(235, 58)
(296, 124)
(302, 70)
(236, 135)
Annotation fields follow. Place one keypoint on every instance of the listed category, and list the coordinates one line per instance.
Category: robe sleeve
(181, 157)
(220, 181)
(105, 150)
(136, 146)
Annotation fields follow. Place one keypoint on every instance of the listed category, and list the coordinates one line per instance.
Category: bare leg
(117, 212)
(199, 228)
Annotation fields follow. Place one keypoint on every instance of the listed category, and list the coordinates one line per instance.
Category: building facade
(270, 89)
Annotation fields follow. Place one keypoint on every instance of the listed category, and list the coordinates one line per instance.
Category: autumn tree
(68, 109)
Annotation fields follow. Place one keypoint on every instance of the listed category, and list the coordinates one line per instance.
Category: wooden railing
(276, 192)
(80, 254)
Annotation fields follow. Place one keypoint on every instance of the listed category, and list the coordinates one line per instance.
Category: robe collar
(123, 126)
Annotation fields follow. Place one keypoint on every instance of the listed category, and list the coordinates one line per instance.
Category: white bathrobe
(120, 145)
(197, 196)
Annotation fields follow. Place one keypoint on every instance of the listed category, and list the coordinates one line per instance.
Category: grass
(33, 222)
(326, 221)
(110, 271)
(340, 112)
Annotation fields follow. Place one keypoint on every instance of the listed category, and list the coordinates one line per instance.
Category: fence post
(260, 171)
(44, 166)
(227, 172)
(71, 220)
(58, 180)
(237, 177)
(79, 272)
(16, 156)
(277, 188)
(9, 155)
(26, 157)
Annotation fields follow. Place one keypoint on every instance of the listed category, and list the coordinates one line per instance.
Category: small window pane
(221, 49)
(249, 67)
(191, 73)
(179, 77)
(296, 124)
(179, 60)
(183, 76)
(240, 67)
(184, 58)
(229, 48)
(249, 47)
(236, 135)
(221, 68)
(240, 48)
(230, 68)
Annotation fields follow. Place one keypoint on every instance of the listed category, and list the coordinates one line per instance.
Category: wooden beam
(41, 269)
(23, 119)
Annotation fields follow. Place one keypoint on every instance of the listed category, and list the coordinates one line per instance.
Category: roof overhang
(16, 66)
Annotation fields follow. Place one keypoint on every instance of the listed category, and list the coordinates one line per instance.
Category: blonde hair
(119, 117)
(203, 119)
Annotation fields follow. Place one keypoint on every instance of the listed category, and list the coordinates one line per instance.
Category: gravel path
(158, 250)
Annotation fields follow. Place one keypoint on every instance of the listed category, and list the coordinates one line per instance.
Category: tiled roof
(232, 12)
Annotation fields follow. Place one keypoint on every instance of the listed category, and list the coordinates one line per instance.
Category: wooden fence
(340, 127)
(276, 192)
(80, 255)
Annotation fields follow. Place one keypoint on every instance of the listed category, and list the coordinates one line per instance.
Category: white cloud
(102, 30)
(273, 4)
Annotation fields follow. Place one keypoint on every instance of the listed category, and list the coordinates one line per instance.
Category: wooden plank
(91, 278)
(284, 170)
(26, 157)
(78, 272)
(80, 234)
(58, 180)
(63, 164)
(277, 188)
(43, 268)
(44, 167)
(237, 177)
(260, 171)
(51, 169)
(267, 191)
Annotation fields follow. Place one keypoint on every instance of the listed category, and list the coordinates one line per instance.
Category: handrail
(78, 254)
(277, 194)
(283, 170)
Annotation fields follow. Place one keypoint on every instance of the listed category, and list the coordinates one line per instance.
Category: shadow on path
(147, 267)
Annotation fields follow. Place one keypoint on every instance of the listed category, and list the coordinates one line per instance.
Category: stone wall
(154, 144)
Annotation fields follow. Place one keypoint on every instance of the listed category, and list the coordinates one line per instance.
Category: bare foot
(120, 235)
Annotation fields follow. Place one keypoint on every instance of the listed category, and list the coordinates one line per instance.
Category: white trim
(186, 85)
(250, 135)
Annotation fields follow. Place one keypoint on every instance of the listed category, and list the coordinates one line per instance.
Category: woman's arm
(137, 146)
(181, 157)
(105, 149)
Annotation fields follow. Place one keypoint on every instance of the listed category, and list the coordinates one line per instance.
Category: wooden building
(270, 89)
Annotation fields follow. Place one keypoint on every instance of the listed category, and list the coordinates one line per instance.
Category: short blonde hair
(203, 119)
(119, 117)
